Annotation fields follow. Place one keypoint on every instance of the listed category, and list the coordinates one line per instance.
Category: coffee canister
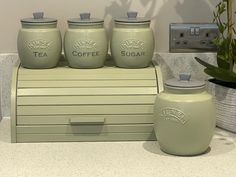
(85, 42)
(39, 42)
(132, 43)
(184, 117)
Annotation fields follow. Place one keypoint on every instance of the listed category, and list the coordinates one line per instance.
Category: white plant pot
(225, 100)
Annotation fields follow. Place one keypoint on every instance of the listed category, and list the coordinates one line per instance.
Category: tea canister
(85, 42)
(39, 42)
(184, 117)
(132, 43)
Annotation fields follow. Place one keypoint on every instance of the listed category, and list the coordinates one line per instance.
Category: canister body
(39, 48)
(86, 47)
(132, 46)
(184, 122)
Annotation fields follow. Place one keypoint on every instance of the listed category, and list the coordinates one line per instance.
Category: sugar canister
(39, 42)
(85, 42)
(184, 117)
(132, 43)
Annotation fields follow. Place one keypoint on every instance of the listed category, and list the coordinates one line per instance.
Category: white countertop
(112, 159)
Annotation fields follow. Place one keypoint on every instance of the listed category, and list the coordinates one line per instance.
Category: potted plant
(223, 84)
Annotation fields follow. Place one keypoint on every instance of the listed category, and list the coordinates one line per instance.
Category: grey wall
(162, 13)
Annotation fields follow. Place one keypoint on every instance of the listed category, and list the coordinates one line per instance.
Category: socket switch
(192, 37)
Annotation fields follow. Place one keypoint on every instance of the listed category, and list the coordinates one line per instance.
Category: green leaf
(225, 43)
(222, 63)
(221, 9)
(221, 28)
(207, 65)
(218, 73)
(222, 75)
(217, 41)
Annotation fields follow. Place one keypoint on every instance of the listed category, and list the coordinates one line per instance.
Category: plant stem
(230, 30)
(230, 18)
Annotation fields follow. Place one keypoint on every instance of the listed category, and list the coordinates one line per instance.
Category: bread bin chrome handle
(86, 121)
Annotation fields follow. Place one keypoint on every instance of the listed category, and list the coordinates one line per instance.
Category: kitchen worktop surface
(113, 159)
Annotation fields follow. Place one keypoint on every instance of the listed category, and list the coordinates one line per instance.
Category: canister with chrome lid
(85, 42)
(39, 42)
(132, 43)
(184, 117)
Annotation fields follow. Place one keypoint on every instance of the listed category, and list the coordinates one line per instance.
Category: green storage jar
(132, 43)
(184, 117)
(39, 42)
(85, 42)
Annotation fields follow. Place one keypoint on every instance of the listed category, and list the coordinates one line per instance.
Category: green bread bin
(66, 104)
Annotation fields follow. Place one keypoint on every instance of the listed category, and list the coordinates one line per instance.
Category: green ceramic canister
(184, 117)
(85, 42)
(39, 42)
(132, 43)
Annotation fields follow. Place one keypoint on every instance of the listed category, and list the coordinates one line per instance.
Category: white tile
(7, 61)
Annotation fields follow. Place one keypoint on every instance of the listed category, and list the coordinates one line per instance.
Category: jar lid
(185, 82)
(85, 20)
(132, 18)
(38, 17)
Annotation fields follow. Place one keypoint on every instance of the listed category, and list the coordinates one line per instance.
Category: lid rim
(184, 84)
(31, 20)
(84, 23)
(132, 21)
(38, 22)
(185, 87)
(87, 21)
(185, 90)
